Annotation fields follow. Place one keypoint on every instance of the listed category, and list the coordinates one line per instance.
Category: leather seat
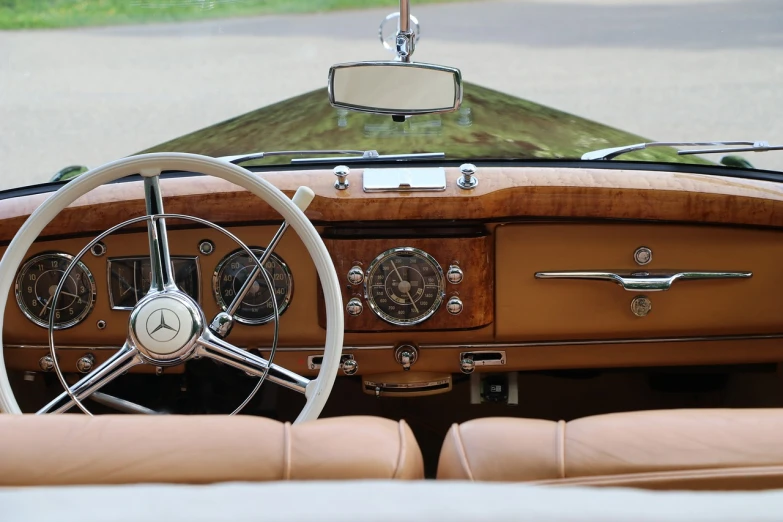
(719, 449)
(128, 449)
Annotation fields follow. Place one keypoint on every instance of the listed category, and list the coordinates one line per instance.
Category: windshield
(86, 82)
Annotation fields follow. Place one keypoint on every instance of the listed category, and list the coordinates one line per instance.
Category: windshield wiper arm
(242, 158)
(359, 155)
(718, 147)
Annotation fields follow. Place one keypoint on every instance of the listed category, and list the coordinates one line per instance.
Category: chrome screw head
(642, 255)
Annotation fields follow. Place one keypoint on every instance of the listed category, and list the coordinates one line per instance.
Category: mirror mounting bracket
(406, 40)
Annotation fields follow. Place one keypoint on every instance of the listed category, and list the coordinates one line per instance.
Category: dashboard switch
(85, 363)
(454, 275)
(354, 307)
(350, 366)
(467, 365)
(46, 363)
(454, 306)
(355, 275)
(406, 355)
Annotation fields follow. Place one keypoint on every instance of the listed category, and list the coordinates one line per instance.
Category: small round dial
(257, 306)
(404, 286)
(38, 279)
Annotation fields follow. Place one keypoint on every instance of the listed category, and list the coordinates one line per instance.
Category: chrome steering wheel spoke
(126, 358)
(217, 349)
(162, 277)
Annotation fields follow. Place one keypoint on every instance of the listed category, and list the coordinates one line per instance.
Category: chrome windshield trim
(475, 346)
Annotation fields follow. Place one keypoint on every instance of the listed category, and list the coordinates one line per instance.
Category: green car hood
(489, 125)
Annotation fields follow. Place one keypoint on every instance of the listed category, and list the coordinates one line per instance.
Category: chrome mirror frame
(374, 110)
(405, 43)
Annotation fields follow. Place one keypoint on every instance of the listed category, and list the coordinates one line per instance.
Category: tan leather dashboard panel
(532, 308)
(504, 302)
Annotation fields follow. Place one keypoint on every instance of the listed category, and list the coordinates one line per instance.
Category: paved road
(666, 69)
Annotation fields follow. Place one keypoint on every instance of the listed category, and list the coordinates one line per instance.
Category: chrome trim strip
(635, 281)
(472, 346)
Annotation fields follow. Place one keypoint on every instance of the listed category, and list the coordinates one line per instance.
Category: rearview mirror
(397, 88)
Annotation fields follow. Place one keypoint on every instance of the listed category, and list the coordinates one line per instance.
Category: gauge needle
(46, 305)
(406, 287)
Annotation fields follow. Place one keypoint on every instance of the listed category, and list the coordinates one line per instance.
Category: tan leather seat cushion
(684, 449)
(127, 449)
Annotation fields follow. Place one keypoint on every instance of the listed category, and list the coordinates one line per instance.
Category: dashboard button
(85, 363)
(355, 275)
(454, 306)
(454, 274)
(354, 307)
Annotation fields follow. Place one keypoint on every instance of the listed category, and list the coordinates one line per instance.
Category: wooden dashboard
(517, 223)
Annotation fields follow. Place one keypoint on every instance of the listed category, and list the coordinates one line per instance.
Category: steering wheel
(194, 338)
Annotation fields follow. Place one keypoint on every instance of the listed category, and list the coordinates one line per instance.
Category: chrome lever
(642, 281)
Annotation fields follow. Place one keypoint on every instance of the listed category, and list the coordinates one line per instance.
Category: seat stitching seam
(462, 453)
(287, 451)
(401, 432)
(561, 442)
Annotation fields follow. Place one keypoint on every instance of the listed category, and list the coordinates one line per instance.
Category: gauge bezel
(44, 323)
(413, 252)
(109, 261)
(282, 307)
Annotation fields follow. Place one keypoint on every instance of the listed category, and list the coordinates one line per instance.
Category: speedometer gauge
(404, 286)
(38, 279)
(257, 306)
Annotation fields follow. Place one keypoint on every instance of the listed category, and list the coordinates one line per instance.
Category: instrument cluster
(128, 280)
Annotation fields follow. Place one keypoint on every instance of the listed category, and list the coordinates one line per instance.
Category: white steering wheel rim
(151, 164)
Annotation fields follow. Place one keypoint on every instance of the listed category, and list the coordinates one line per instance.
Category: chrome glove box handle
(640, 280)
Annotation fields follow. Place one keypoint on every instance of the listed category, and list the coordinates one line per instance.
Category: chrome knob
(467, 365)
(354, 306)
(355, 275)
(406, 355)
(46, 363)
(454, 274)
(468, 180)
(85, 363)
(641, 305)
(350, 366)
(454, 306)
(341, 171)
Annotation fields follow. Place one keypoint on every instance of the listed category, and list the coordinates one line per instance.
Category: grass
(47, 14)
(498, 126)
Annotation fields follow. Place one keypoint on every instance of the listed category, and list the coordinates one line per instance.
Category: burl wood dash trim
(501, 193)
(474, 255)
